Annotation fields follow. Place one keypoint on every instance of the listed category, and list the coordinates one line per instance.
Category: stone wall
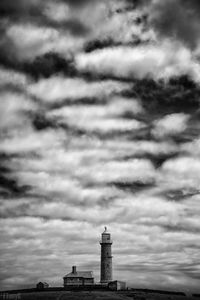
(106, 263)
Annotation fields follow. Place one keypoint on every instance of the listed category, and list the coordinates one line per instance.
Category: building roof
(85, 274)
(42, 282)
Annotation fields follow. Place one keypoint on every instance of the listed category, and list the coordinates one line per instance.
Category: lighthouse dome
(106, 237)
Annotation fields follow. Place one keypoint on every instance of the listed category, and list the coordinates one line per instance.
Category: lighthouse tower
(106, 257)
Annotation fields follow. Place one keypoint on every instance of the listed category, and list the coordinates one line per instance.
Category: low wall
(159, 292)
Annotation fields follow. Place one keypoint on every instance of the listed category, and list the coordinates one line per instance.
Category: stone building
(78, 278)
(106, 257)
(117, 285)
(42, 285)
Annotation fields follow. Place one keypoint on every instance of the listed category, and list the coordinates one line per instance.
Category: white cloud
(13, 111)
(115, 107)
(96, 119)
(31, 40)
(120, 27)
(133, 170)
(59, 12)
(27, 140)
(172, 124)
(12, 77)
(180, 173)
(182, 166)
(109, 125)
(102, 118)
(192, 148)
(58, 88)
(158, 61)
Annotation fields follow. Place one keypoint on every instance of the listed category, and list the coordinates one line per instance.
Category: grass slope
(97, 295)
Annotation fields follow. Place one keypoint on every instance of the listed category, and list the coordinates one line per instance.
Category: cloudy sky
(99, 125)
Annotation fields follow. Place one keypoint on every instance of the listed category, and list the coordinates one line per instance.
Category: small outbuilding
(78, 278)
(42, 285)
(117, 285)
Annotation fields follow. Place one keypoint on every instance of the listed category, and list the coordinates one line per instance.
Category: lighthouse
(106, 257)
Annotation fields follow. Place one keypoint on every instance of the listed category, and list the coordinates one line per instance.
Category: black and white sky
(99, 125)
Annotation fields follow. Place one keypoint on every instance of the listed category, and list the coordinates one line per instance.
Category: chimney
(74, 269)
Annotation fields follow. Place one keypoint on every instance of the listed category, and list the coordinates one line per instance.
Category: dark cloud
(10, 186)
(11, 8)
(12, 87)
(107, 43)
(40, 122)
(6, 61)
(180, 228)
(78, 3)
(180, 194)
(169, 19)
(74, 26)
(133, 187)
(138, 3)
(179, 94)
(81, 101)
(42, 66)
(32, 13)
(133, 135)
(157, 159)
(7, 51)
(98, 44)
(33, 8)
(47, 65)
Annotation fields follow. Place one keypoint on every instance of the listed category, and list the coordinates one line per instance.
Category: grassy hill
(94, 295)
